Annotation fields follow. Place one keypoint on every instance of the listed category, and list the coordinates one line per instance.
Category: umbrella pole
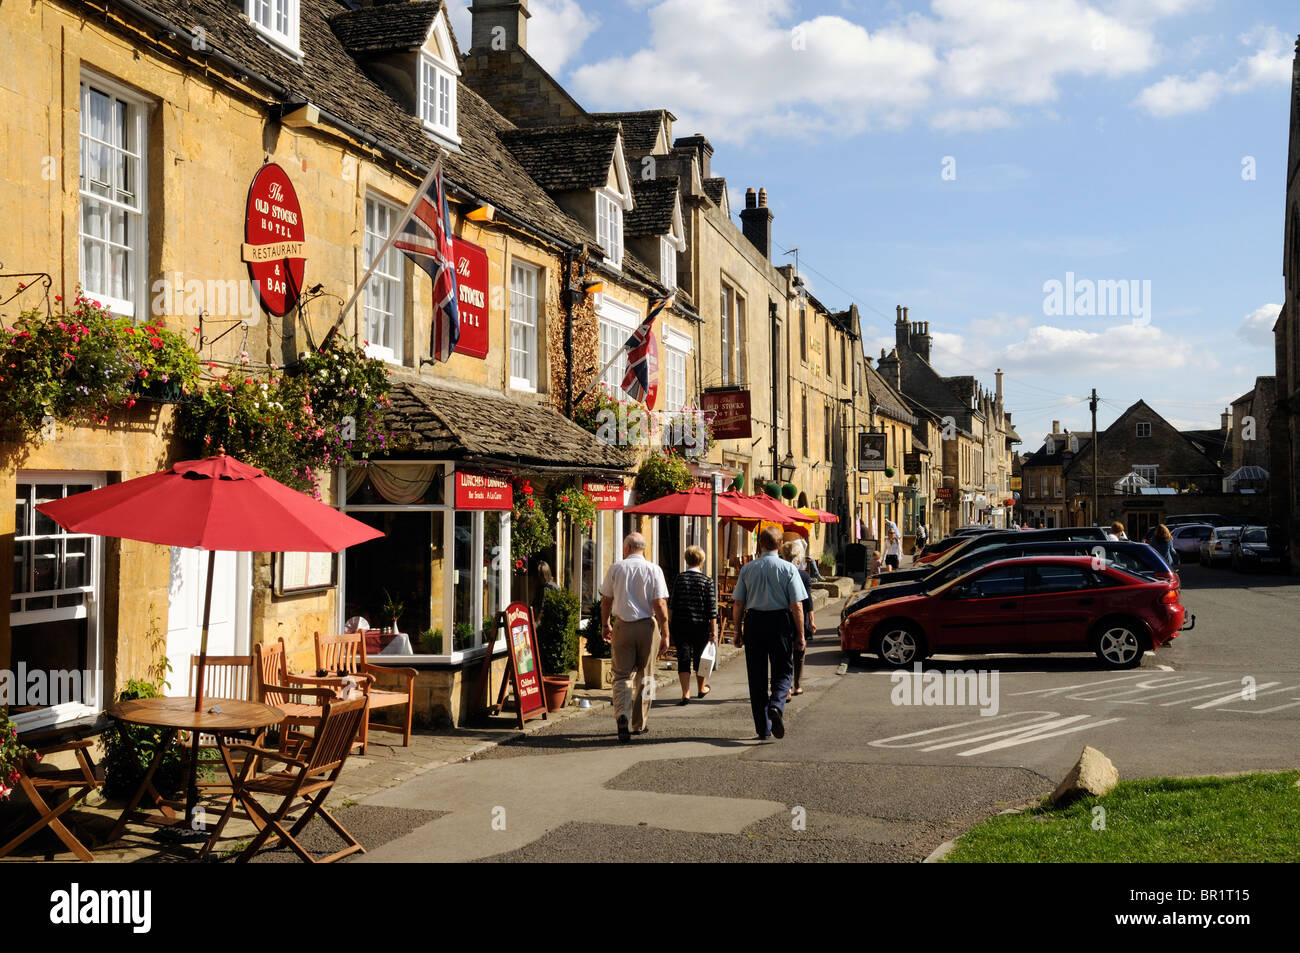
(192, 795)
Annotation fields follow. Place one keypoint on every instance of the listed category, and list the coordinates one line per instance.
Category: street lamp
(785, 469)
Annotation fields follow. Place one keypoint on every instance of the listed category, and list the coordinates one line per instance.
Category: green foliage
(575, 504)
(587, 414)
(889, 471)
(531, 528)
(12, 755)
(789, 491)
(661, 474)
(557, 632)
(129, 749)
(431, 641)
(325, 411)
(739, 482)
(597, 647)
(827, 564)
(80, 366)
(772, 489)
(462, 636)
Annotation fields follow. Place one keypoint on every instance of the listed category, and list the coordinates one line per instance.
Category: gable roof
(640, 129)
(885, 400)
(654, 202)
(566, 158)
(386, 28)
(716, 190)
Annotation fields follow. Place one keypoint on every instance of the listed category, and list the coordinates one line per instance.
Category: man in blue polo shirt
(768, 613)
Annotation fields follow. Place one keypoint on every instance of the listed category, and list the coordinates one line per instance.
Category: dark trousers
(769, 642)
(690, 642)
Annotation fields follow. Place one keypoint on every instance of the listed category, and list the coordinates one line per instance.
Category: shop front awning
(444, 421)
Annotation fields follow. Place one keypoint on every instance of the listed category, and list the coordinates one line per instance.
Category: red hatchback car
(1030, 604)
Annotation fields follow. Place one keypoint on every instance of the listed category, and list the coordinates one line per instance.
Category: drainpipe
(776, 435)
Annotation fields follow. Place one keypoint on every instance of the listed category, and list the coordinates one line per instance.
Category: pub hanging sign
(274, 240)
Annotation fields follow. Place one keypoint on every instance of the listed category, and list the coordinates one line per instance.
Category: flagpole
(393, 233)
(617, 354)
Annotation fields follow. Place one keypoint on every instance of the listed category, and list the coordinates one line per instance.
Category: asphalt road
(859, 776)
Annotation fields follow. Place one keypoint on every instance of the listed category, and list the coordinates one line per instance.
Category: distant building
(1284, 428)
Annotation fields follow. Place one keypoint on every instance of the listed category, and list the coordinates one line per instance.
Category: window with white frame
(609, 226)
(676, 378)
(617, 323)
(1144, 428)
(525, 280)
(1147, 473)
(667, 264)
(732, 308)
(437, 97)
(385, 291)
(277, 20)
(112, 197)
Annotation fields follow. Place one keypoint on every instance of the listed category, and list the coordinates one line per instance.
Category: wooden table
(219, 717)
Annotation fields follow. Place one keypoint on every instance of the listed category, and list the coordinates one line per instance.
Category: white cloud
(738, 68)
(1257, 327)
(556, 30)
(1269, 64)
(1053, 350)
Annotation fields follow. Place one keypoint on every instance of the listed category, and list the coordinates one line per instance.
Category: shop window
(277, 20)
(385, 292)
(524, 346)
(53, 608)
(478, 543)
(112, 196)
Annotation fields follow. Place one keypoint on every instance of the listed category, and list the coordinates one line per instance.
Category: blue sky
(958, 156)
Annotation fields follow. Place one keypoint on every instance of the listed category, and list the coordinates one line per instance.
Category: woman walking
(1162, 541)
(790, 553)
(893, 548)
(693, 615)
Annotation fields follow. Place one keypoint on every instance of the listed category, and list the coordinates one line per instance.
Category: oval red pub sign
(274, 239)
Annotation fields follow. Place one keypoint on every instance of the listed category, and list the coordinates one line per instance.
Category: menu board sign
(524, 661)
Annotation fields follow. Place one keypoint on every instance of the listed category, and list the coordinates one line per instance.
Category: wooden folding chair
(346, 654)
(276, 687)
(38, 782)
(307, 779)
(225, 676)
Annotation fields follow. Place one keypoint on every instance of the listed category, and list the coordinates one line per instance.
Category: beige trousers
(633, 650)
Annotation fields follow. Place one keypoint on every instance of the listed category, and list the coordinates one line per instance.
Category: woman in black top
(693, 615)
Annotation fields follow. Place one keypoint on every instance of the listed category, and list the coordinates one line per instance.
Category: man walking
(768, 614)
(633, 598)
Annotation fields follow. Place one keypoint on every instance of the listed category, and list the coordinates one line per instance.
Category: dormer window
(609, 226)
(437, 97)
(667, 264)
(277, 20)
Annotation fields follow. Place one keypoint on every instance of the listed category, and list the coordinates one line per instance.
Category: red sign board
(472, 280)
(274, 239)
(608, 495)
(729, 412)
(524, 659)
(480, 491)
(943, 493)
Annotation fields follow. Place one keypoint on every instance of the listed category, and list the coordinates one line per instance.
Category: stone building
(1284, 429)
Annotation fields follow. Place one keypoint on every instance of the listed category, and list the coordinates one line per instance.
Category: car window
(1204, 532)
(1130, 560)
(1060, 579)
(1006, 581)
(1255, 536)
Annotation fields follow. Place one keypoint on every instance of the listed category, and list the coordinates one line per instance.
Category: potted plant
(13, 754)
(557, 641)
(431, 641)
(597, 666)
(129, 749)
(827, 564)
(393, 609)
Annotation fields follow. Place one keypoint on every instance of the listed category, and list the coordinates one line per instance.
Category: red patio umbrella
(698, 501)
(213, 504)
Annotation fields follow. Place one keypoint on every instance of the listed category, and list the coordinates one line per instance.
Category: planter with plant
(13, 755)
(660, 475)
(597, 666)
(462, 636)
(129, 749)
(393, 609)
(431, 641)
(827, 564)
(557, 642)
(577, 506)
(531, 529)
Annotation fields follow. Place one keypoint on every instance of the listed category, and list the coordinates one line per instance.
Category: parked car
(1188, 538)
(1027, 604)
(932, 551)
(1259, 548)
(1137, 558)
(969, 544)
(1217, 547)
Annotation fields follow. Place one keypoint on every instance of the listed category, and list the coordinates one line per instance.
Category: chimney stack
(1056, 426)
(901, 327)
(756, 221)
(499, 25)
(919, 340)
(703, 150)
(890, 369)
(1225, 420)
(997, 376)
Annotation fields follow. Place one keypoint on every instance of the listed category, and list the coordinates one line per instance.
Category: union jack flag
(641, 382)
(426, 240)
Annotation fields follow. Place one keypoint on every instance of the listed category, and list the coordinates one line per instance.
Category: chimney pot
(756, 222)
(905, 318)
(751, 200)
(762, 198)
(489, 16)
(1056, 426)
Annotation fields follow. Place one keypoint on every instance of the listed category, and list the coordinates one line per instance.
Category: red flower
(156, 341)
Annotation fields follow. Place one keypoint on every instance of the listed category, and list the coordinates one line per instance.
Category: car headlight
(855, 602)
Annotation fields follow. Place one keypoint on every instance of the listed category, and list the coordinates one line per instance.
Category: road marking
(1036, 726)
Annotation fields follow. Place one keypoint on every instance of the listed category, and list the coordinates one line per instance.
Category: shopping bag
(707, 658)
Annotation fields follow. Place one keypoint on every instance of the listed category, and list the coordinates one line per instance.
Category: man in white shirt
(634, 597)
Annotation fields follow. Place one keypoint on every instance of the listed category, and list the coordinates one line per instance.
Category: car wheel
(1118, 643)
(899, 644)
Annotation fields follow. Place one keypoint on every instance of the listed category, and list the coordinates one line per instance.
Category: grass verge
(1247, 818)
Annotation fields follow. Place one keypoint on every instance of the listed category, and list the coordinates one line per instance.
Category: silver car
(1218, 546)
(1188, 538)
